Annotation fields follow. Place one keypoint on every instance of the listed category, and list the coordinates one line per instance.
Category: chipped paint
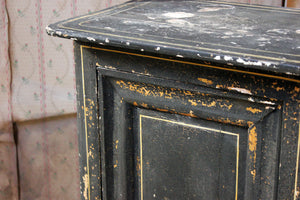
(58, 33)
(162, 110)
(138, 165)
(227, 106)
(217, 58)
(204, 80)
(157, 48)
(117, 142)
(91, 39)
(279, 89)
(241, 90)
(296, 195)
(178, 15)
(253, 173)
(190, 114)
(253, 110)
(255, 63)
(279, 31)
(106, 40)
(90, 154)
(49, 30)
(193, 102)
(215, 8)
(267, 102)
(228, 58)
(86, 181)
(179, 56)
(144, 105)
(116, 164)
(253, 147)
(251, 99)
(212, 104)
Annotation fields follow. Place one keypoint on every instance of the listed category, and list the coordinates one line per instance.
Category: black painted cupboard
(187, 100)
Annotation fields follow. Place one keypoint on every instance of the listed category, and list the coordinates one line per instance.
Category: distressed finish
(187, 100)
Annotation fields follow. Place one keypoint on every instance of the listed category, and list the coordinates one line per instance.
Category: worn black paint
(243, 35)
(181, 121)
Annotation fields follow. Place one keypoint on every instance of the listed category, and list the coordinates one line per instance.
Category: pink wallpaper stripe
(73, 14)
(43, 105)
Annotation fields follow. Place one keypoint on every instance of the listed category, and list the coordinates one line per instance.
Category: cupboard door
(163, 142)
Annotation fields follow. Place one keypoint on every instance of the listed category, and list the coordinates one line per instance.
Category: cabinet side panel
(88, 134)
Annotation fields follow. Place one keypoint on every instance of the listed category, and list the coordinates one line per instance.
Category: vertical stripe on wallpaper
(43, 106)
(6, 61)
(73, 14)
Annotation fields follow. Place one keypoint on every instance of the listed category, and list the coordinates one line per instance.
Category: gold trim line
(197, 64)
(85, 125)
(193, 126)
(296, 193)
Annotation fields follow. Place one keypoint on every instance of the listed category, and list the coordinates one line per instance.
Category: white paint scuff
(58, 33)
(267, 102)
(240, 60)
(49, 30)
(217, 58)
(279, 31)
(254, 63)
(251, 99)
(240, 90)
(178, 15)
(228, 58)
(91, 39)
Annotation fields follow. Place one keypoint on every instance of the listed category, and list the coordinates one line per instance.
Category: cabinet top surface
(251, 36)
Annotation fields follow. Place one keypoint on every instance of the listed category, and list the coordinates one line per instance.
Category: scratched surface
(149, 106)
(233, 33)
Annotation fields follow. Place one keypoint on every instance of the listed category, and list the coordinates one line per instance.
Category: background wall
(39, 154)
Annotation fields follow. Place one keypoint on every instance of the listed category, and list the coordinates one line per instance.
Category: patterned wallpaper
(42, 86)
(48, 159)
(8, 165)
(42, 67)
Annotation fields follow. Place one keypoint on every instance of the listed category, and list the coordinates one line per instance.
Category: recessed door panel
(166, 143)
(183, 158)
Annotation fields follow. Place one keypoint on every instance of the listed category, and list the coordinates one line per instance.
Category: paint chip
(91, 39)
(177, 15)
(217, 58)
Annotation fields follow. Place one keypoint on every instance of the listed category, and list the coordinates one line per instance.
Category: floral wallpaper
(48, 159)
(8, 164)
(39, 95)
(42, 67)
